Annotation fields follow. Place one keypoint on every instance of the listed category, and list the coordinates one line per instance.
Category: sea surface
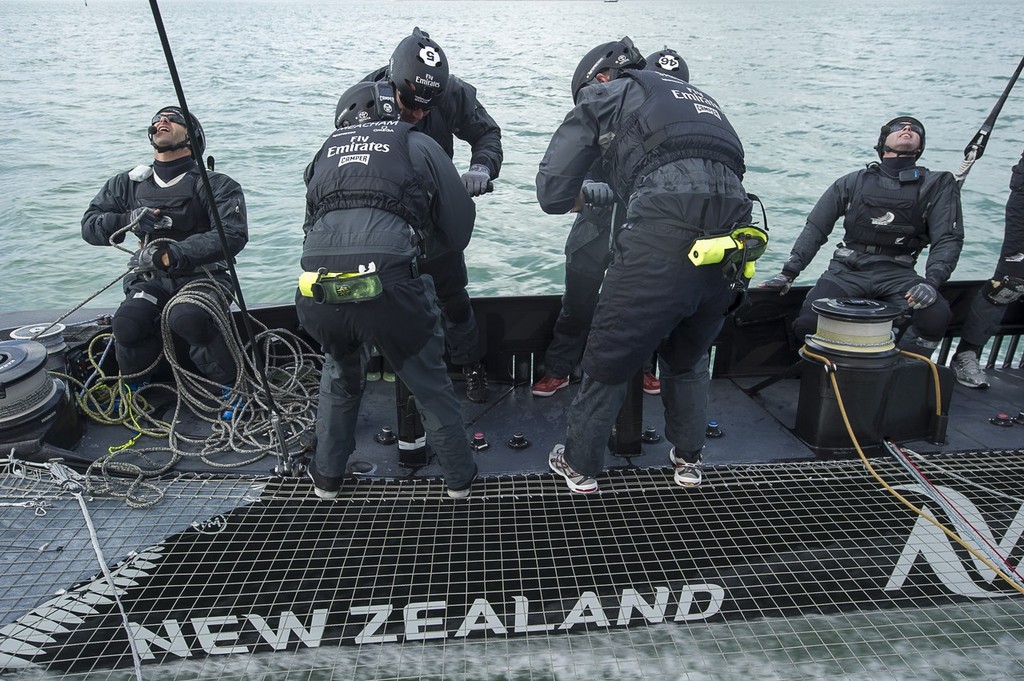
(806, 83)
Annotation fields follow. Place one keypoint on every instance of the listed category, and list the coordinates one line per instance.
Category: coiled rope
(247, 437)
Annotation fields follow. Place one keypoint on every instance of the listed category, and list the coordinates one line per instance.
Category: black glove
(477, 180)
(147, 221)
(781, 282)
(598, 194)
(147, 259)
(921, 295)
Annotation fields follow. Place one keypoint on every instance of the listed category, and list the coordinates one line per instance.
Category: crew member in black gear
(588, 252)
(444, 106)
(894, 210)
(668, 150)
(169, 211)
(373, 187)
(1006, 286)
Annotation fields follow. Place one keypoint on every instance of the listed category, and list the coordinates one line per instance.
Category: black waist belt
(875, 249)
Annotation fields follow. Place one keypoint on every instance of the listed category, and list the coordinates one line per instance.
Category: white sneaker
(576, 481)
(687, 473)
(968, 371)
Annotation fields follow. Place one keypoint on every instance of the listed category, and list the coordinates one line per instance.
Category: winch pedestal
(885, 394)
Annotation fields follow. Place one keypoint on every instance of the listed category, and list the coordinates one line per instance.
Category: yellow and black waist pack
(333, 288)
(740, 247)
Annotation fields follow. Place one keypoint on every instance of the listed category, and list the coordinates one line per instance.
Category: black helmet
(892, 127)
(419, 70)
(365, 102)
(176, 115)
(668, 61)
(616, 56)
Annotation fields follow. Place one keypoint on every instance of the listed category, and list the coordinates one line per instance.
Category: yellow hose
(830, 369)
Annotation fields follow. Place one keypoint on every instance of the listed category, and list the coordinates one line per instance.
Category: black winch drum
(885, 394)
(24, 383)
(51, 336)
(34, 406)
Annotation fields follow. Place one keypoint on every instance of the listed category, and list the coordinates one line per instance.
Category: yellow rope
(830, 369)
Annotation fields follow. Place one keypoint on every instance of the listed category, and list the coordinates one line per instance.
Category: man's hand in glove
(598, 194)
(147, 221)
(781, 282)
(477, 180)
(921, 295)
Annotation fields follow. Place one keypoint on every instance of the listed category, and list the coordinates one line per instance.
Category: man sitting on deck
(894, 209)
(1006, 286)
(165, 206)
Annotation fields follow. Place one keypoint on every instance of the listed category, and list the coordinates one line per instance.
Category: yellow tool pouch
(740, 247)
(334, 288)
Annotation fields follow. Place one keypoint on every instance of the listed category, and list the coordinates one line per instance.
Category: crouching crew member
(669, 151)
(373, 189)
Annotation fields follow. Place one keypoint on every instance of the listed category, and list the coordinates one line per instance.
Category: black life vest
(180, 201)
(368, 166)
(887, 221)
(675, 121)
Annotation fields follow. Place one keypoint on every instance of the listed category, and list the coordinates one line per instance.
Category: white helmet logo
(668, 62)
(429, 56)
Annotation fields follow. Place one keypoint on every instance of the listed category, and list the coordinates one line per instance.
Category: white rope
(72, 482)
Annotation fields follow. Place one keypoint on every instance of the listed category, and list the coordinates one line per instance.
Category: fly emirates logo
(357, 150)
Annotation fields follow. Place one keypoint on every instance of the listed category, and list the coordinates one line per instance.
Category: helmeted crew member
(587, 248)
(1006, 286)
(669, 148)
(371, 189)
(444, 107)
(894, 209)
(668, 61)
(175, 218)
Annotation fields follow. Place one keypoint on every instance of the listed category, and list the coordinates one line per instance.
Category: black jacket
(939, 199)
(460, 114)
(343, 239)
(106, 215)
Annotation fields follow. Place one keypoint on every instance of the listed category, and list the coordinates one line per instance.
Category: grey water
(807, 84)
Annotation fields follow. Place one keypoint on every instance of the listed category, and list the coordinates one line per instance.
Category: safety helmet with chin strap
(614, 56)
(668, 61)
(418, 70)
(178, 117)
(890, 127)
(366, 102)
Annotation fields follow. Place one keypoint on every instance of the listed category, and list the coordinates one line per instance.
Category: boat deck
(754, 398)
(794, 550)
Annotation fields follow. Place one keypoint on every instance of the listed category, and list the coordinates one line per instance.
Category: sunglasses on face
(169, 115)
(896, 127)
(409, 102)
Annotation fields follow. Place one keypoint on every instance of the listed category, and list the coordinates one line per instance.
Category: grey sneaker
(687, 473)
(464, 492)
(968, 371)
(576, 481)
(324, 486)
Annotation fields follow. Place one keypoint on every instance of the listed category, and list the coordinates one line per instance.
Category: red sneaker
(652, 386)
(549, 385)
